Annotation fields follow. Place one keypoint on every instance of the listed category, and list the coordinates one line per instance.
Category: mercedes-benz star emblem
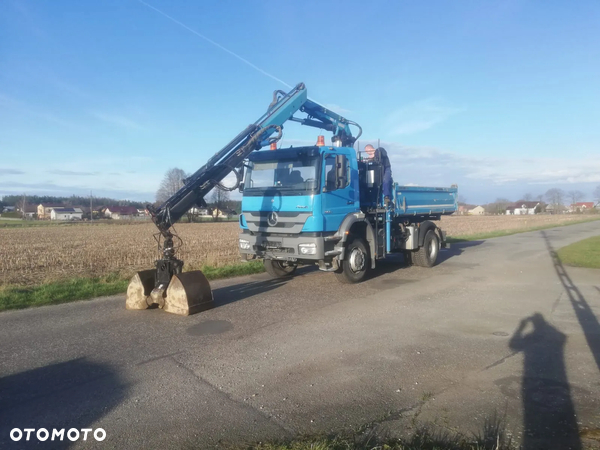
(272, 219)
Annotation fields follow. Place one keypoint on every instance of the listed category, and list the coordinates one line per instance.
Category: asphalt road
(497, 328)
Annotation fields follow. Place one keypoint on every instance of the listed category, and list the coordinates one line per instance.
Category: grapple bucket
(188, 293)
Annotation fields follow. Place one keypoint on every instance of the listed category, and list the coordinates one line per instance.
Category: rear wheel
(356, 262)
(278, 269)
(427, 255)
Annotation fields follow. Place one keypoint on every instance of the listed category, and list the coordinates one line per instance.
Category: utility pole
(23, 207)
(91, 208)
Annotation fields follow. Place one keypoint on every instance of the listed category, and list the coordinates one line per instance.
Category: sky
(500, 97)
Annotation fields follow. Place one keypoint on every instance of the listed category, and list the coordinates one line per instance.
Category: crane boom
(254, 137)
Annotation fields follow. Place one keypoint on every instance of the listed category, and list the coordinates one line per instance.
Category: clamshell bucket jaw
(139, 289)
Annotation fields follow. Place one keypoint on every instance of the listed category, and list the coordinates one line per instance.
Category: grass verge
(18, 297)
(18, 223)
(500, 233)
(55, 292)
(584, 253)
(492, 436)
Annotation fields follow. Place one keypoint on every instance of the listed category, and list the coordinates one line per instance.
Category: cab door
(337, 190)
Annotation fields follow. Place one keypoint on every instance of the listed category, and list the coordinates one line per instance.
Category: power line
(235, 55)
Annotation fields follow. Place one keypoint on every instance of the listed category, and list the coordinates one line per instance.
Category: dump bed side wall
(415, 200)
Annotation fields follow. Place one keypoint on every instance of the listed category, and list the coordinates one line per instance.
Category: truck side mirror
(341, 171)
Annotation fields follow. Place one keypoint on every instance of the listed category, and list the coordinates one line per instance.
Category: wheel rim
(432, 250)
(357, 260)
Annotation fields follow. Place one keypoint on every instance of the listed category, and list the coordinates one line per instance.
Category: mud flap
(188, 293)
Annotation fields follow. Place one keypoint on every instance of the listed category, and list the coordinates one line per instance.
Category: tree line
(73, 200)
(554, 197)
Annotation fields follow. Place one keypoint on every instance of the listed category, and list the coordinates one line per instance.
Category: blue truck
(323, 205)
(320, 204)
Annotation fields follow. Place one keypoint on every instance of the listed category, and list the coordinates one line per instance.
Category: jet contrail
(215, 44)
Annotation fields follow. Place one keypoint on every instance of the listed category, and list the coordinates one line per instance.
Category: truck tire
(356, 262)
(427, 255)
(278, 269)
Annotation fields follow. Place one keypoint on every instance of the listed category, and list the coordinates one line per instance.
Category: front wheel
(356, 262)
(427, 255)
(278, 269)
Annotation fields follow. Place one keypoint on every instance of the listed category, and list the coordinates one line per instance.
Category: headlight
(244, 244)
(307, 249)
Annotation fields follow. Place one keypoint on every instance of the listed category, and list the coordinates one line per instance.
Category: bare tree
(219, 199)
(555, 197)
(171, 183)
(528, 197)
(192, 215)
(575, 196)
(462, 200)
(22, 206)
(499, 206)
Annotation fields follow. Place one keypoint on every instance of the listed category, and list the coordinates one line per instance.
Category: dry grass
(36, 255)
(459, 226)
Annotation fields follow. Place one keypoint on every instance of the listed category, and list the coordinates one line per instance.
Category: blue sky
(500, 97)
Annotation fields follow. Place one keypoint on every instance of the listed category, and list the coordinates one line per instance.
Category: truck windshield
(291, 176)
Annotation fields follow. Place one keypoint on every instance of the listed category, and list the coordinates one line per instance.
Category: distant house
(121, 212)
(225, 212)
(44, 209)
(216, 212)
(66, 214)
(464, 209)
(522, 208)
(581, 207)
(199, 211)
(30, 211)
(8, 209)
(477, 211)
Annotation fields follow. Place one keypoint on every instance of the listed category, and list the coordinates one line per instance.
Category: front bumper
(284, 248)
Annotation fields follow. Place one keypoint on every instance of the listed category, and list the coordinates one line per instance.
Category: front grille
(274, 249)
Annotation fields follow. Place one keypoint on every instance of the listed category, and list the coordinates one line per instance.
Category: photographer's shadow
(70, 394)
(549, 415)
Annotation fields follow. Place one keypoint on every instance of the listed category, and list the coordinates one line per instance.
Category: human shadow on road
(549, 419)
(71, 394)
(585, 315)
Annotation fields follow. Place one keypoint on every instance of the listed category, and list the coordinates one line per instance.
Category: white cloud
(485, 178)
(419, 116)
(497, 170)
